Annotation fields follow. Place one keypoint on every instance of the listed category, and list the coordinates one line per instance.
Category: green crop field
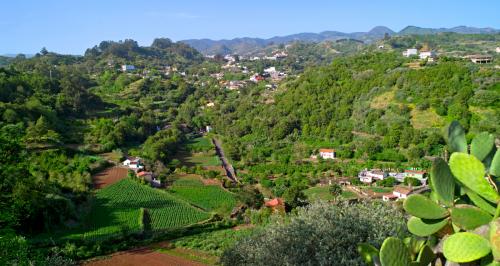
(116, 210)
(207, 197)
(200, 144)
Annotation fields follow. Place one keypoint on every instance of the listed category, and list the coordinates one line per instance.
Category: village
(385, 184)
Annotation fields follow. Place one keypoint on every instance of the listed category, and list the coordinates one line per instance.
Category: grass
(323, 193)
(198, 152)
(200, 144)
(421, 119)
(115, 211)
(380, 189)
(215, 242)
(207, 197)
(383, 100)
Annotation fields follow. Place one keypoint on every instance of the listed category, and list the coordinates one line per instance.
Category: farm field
(207, 197)
(143, 256)
(116, 210)
(323, 193)
(198, 152)
(109, 176)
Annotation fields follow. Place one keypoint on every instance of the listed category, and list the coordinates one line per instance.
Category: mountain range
(248, 45)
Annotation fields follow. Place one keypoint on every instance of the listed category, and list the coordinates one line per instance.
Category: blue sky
(72, 26)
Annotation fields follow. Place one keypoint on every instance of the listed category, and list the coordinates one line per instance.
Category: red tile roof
(274, 202)
(326, 150)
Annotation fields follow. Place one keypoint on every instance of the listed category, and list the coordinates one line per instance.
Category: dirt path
(231, 174)
(109, 176)
(142, 256)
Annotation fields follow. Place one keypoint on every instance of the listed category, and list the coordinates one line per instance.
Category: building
(150, 178)
(410, 52)
(429, 55)
(497, 49)
(480, 59)
(208, 129)
(270, 70)
(369, 176)
(418, 174)
(126, 68)
(210, 104)
(327, 153)
(402, 192)
(134, 163)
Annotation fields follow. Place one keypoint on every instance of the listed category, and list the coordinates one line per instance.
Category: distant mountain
(410, 30)
(14, 55)
(247, 45)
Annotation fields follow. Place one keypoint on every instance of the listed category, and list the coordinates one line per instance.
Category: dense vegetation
(61, 115)
(320, 234)
(340, 106)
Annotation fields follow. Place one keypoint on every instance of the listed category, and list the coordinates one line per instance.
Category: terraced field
(207, 197)
(116, 210)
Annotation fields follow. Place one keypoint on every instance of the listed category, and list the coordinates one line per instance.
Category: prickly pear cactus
(462, 208)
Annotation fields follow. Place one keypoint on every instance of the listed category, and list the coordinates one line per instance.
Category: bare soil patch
(142, 256)
(109, 176)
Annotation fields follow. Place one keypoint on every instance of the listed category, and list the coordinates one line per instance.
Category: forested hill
(368, 106)
(161, 52)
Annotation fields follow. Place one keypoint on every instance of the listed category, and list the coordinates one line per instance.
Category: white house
(327, 153)
(270, 70)
(133, 163)
(368, 176)
(402, 192)
(366, 179)
(497, 49)
(410, 52)
(126, 68)
(208, 128)
(397, 193)
(429, 55)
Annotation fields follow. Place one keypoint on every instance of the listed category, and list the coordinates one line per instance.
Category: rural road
(231, 174)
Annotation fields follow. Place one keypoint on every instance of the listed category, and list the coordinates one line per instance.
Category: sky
(71, 26)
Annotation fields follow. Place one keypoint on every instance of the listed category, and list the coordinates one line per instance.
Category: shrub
(320, 234)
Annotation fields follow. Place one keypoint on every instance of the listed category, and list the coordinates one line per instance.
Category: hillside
(339, 105)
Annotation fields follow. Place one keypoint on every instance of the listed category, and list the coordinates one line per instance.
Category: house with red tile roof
(327, 153)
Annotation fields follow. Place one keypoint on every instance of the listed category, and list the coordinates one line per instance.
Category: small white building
(270, 70)
(402, 192)
(369, 176)
(397, 193)
(410, 52)
(208, 129)
(126, 68)
(429, 55)
(133, 163)
(327, 153)
(497, 49)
